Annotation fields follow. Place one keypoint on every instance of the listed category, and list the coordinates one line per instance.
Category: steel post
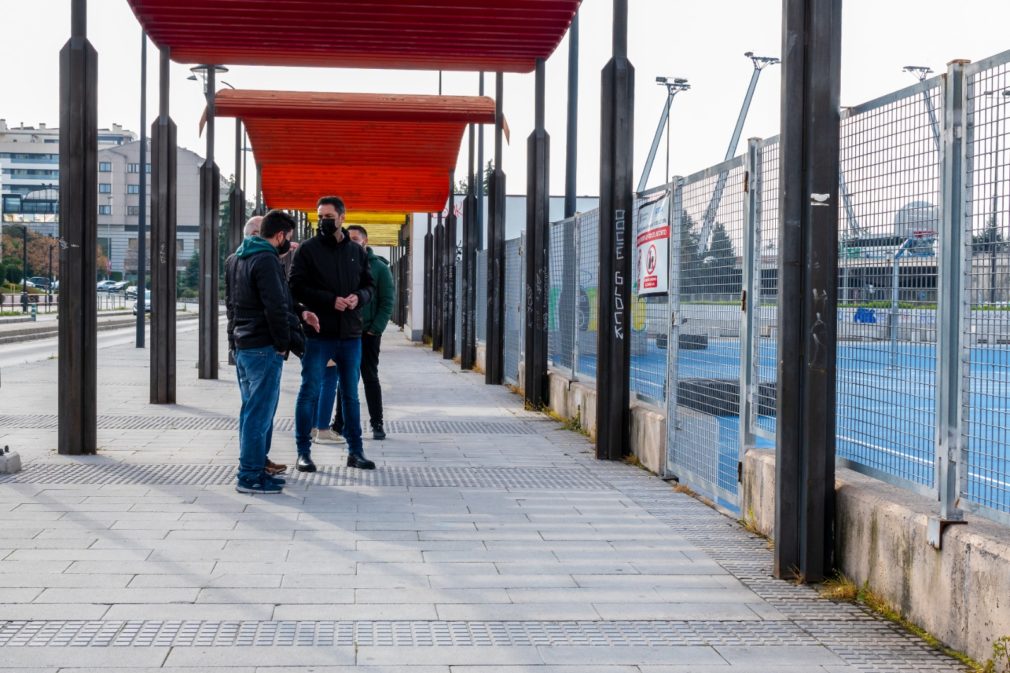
(808, 282)
(237, 197)
(78, 353)
(449, 276)
(495, 354)
(428, 271)
(750, 300)
(616, 235)
(142, 210)
(537, 249)
(468, 267)
(210, 186)
(953, 305)
(163, 235)
(479, 177)
(438, 269)
(569, 263)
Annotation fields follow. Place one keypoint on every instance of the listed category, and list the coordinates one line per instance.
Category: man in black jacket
(261, 330)
(330, 276)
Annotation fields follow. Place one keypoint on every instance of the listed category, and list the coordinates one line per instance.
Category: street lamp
(201, 70)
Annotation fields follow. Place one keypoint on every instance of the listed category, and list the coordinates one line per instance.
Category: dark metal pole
(237, 197)
(437, 285)
(142, 209)
(494, 359)
(468, 286)
(164, 155)
(210, 187)
(428, 274)
(808, 264)
(537, 246)
(567, 302)
(616, 233)
(480, 176)
(78, 355)
(449, 276)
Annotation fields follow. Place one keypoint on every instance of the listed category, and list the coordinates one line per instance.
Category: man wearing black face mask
(330, 276)
(261, 331)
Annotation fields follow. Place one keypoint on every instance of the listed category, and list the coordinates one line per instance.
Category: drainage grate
(218, 475)
(230, 423)
(194, 633)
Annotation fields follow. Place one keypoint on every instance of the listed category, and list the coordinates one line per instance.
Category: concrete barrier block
(10, 463)
(648, 436)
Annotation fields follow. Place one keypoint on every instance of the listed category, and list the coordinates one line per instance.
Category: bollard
(9, 462)
(35, 312)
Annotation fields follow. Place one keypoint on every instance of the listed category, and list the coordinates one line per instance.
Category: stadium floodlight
(674, 85)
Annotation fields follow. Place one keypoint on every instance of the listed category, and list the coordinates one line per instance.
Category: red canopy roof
(492, 35)
(379, 152)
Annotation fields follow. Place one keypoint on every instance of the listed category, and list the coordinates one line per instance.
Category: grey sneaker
(327, 436)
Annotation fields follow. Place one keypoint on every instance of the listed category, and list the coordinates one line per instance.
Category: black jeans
(370, 375)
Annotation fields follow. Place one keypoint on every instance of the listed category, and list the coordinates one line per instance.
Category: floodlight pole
(673, 86)
(78, 348)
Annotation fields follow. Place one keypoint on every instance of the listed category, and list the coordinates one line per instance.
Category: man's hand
(340, 304)
(311, 319)
(352, 301)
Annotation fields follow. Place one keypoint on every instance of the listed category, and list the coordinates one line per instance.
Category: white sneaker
(327, 436)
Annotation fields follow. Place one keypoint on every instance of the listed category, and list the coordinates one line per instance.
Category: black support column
(537, 246)
(210, 190)
(567, 305)
(237, 197)
(468, 267)
(494, 360)
(438, 285)
(616, 203)
(78, 351)
(449, 276)
(808, 263)
(429, 270)
(164, 154)
(142, 211)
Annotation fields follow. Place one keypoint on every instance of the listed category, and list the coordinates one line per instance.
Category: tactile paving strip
(518, 478)
(230, 423)
(194, 633)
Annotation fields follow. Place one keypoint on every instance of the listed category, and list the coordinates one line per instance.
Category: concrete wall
(960, 593)
(574, 399)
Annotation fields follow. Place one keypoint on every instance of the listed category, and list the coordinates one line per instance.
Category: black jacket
(260, 310)
(323, 270)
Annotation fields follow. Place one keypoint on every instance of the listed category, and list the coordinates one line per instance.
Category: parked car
(119, 286)
(39, 282)
(105, 285)
(147, 303)
(131, 292)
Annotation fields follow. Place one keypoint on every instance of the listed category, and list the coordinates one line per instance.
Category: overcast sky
(703, 41)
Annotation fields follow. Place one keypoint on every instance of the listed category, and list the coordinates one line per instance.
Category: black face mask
(284, 247)
(328, 226)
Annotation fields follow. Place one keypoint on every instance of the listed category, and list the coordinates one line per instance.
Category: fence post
(577, 244)
(750, 300)
(673, 308)
(950, 315)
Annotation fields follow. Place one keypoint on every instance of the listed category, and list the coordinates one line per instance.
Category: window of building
(104, 210)
(133, 210)
(133, 189)
(133, 168)
(104, 188)
(148, 167)
(104, 166)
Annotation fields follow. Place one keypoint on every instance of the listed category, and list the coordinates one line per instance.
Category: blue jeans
(327, 397)
(347, 354)
(259, 383)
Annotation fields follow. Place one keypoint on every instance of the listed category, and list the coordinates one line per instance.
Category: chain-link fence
(513, 337)
(459, 307)
(562, 274)
(482, 296)
(650, 310)
(587, 303)
(765, 290)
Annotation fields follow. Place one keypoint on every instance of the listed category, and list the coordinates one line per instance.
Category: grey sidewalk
(487, 541)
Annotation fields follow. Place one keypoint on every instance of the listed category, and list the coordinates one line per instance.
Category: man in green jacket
(375, 316)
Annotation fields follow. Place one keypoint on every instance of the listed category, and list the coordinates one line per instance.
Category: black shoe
(280, 481)
(305, 464)
(360, 462)
(377, 431)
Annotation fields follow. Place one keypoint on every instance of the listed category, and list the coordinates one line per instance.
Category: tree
(190, 278)
(721, 273)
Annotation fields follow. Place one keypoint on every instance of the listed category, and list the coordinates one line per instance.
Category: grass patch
(750, 524)
(839, 588)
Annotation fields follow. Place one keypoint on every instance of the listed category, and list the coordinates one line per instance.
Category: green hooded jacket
(375, 314)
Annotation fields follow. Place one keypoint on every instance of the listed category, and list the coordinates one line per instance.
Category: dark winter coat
(260, 311)
(377, 312)
(323, 270)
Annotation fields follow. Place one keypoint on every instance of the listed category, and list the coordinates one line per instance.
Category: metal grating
(221, 475)
(402, 633)
(513, 329)
(403, 427)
